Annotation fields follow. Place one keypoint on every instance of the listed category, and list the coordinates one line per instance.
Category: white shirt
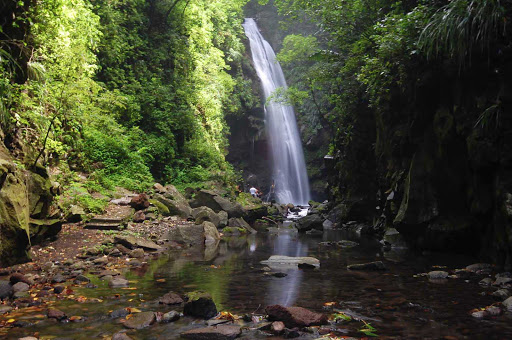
(253, 191)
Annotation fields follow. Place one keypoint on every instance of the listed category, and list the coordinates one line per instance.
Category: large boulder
(217, 203)
(240, 223)
(254, 213)
(309, 222)
(175, 207)
(24, 195)
(295, 316)
(187, 234)
(202, 214)
(211, 234)
(200, 304)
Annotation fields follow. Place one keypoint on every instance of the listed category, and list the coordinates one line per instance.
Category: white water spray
(289, 169)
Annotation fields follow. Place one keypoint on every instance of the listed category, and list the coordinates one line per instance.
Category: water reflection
(284, 291)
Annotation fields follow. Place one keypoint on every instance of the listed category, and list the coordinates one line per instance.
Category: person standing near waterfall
(253, 191)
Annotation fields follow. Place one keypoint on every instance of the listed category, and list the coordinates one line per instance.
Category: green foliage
(461, 26)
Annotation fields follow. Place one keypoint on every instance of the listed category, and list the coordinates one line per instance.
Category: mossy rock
(162, 208)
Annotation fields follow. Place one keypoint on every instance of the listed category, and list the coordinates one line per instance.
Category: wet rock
(203, 214)
(314, 232)
(81, 279)
(505, 274)
(171, 316)
(508, 304)
(59, 278)
(223, 218)
(279, 274)
(140, 320)
(291, 333)
(187, 234)
(479, 314)
(295, 316)
(377, 265)
(5, 289)
(140, 202)
(119, 313)
(479, 267)
(170, 298)
(121, 336)
(437, 274)
(118, 282)
(502, 281)
(18, 277)
(278, 261)
(310, 222)
(220, 332)
(58, 289)
(239, 222)
(347, 244)
(179, 208)
(277, 327)
(53, 313)
(394, 239)
(200, 304)
(137, 253)
(494, 310)
(20, 287)
(133, 242)
(211, 234)
(327, 224)
(139, 216)
(485, 281)
(501, 294)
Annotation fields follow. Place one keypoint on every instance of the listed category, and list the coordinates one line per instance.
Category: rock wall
(25, 204)
(442, 156)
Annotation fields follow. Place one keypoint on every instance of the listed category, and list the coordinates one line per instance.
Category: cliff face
(25, 208)
(443, 160)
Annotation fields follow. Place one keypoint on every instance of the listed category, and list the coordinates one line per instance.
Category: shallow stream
(395, 302)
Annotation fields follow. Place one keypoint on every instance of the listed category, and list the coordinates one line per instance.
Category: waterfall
(289, 169)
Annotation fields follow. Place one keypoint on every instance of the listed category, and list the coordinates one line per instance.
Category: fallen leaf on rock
(11, 320)
(328, 304)
(133, 310)
(160, 280)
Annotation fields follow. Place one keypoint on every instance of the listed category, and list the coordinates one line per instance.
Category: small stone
(485, 281)
(220, 332)
(170, 298)
(59, 278)
(118, 282)
(20, 287)
(508, 304)
(18, 277)
(479, 267)
(137, 253)
(200, 304)
(58, 289)
(140, 320)
(277, 327)
(53, 313)
(295, 316)
(171, 316)
(121, 336)
(502, 281)
(140, 202)
(437, 274)
(5, 289)
(377, 265)
(279, 274)
(81, 279)
(479, 314)
(139, 217)
(119, 313)
(501, 294)
(101, 260)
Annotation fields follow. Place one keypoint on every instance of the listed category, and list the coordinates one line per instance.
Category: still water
(397, 304)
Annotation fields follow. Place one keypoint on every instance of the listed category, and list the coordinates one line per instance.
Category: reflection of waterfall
(289, 168)
(284, 291)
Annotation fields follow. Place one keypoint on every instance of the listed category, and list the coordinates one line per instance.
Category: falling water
(289, 169)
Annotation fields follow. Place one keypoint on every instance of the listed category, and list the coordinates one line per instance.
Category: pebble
(58, 289)
(101, 260)
(501, 293)
(502, 281)
(485, 282)
(81, 279)
(140, 320)
(59, 278)
(20, 287)
(171, 316)
(118, 282)
(437, 274)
